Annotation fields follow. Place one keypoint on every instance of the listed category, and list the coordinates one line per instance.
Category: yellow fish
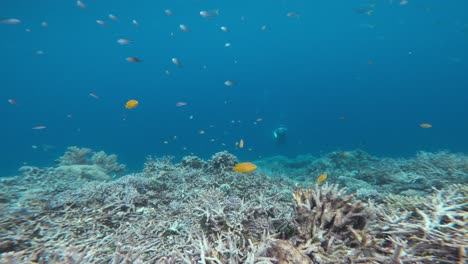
(245, 167)
(241, 143)
(321, 178)
(130, 104)
(425, 125)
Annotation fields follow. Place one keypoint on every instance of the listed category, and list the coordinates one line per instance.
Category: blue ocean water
(336, 75)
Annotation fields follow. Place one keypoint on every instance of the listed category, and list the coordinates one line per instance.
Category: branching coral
(222, 162)
(81, 156)
(326, 217)
(107, 162)
(203, 212)
(75, 156)
(436, 231)
(193, 162)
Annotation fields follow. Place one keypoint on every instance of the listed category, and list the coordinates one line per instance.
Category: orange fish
(130, 104)
(241, 143)
(245, 167)
(425, 125)
(321, 178)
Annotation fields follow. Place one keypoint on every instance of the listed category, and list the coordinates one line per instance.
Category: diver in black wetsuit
(279, 135)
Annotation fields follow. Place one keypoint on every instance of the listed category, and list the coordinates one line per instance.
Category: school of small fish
(209, 15)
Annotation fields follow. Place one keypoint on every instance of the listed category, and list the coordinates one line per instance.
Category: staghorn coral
(436, 230)
(222, 162)
(81, 156)
(75, 156)
(177, 214)
(193, 162)
(325, 218)
(155, 219)
(156, 167)
(108, 163)
(358, 170)
(402, 202)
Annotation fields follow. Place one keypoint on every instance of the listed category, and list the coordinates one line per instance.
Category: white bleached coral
(82, 156)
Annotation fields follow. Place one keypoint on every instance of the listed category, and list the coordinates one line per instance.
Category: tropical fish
(184, 28)
(205, 14)
(225, 29)
(227, 44)
(80, 4)
(133, 59)
(241, 143)
(10, 21)
(293, 14)
(168, 12)
(176, 61)
(39, 127)
(135, 23)
(123, 41)
(180, 104)
(130, 104)
(229, 83)
(425, 125)
(113, 17)
(321, 178)
(101, 22)
(12, 101)
(94, 95)
(245, 167)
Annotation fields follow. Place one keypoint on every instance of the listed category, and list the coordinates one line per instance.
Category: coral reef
(433, 231)
(374, 177)
(84, 156)
(74, 156)
(193, 162)
(198, 211)
(222, 162)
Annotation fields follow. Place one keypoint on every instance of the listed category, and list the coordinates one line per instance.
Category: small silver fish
(10, 21)
(123, 41)
(101, 22)
(133, 59)
(135, 23)
(229, 83)
(113, 17)
(225, 29)
(168, 12)
(80, 4)
(176, 62)
(184, 28)
(205, 14)
(293, 14)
